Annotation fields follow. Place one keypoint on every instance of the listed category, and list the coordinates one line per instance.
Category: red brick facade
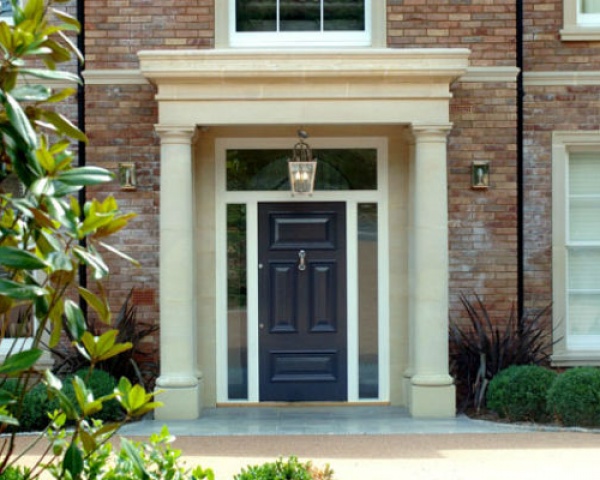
(120, 121)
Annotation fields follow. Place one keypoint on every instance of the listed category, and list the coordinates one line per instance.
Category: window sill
(576, 33)
(576, 359)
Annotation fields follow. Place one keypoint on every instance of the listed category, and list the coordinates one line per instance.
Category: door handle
(302, 264)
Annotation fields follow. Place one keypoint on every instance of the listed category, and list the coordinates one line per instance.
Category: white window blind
(583, 250)
(588, 12)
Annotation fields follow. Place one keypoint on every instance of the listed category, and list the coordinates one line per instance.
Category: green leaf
(19, 291)
(93, 260)
(75, 320)
(64, 126)
(72, 46)
(73, 461)
(99, 305)
(31, 93)
(134, 399)
(56, 321)
(62, 95)
(120, 254)
(114, 225)
(46, 160)
(19, 121)
(104, 346)
(9, 420)
(20, 362)
(131, 452)
(51, 74)
(94, 222)
(68, 19)
(88, 442)
(5, 36)
(85, 176)
(12, 257)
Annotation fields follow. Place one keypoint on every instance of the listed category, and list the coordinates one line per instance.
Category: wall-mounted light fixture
(302, 167)
(480, 175)
(127, 176)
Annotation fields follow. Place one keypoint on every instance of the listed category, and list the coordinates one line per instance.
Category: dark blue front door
(302, 302)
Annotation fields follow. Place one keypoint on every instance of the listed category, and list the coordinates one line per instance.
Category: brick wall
(482, 233)
(486, 27)
(483, 228)
(120, 125)
(544, 50)
(482, 223)
(117, 30)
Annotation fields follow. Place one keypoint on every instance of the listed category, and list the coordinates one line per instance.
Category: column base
(433, 401)
(180, 403)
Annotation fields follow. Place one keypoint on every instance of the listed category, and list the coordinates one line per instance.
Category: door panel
(302, 302)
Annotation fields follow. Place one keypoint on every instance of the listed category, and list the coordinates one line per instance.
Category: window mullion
(278, 17)
(322, 13)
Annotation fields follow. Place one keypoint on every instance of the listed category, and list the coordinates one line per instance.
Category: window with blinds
(583, 251)
(588, 12)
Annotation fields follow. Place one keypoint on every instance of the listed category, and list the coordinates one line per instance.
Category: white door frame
(251, 199)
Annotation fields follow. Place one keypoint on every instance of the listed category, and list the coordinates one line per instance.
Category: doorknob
(302, 264)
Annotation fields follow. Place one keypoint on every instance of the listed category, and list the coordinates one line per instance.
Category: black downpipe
(81, 157)
(520, 160)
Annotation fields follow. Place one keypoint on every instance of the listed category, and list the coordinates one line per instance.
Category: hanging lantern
(302, 169)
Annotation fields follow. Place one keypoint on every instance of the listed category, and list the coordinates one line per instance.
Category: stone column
(178, 380)
(432, 392)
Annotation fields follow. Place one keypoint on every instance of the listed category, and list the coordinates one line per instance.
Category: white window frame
(352, 199)
(579, 26)
(374, 34)
(567, 351)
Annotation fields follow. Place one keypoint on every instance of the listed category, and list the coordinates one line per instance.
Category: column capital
(175, 134)
(431, 133)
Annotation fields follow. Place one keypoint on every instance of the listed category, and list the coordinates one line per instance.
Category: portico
(400, 95)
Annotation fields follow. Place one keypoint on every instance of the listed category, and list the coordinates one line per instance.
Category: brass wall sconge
(480, 175)
(302, 167)
(127, 176)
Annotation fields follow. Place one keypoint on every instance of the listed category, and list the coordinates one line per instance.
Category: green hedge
(574, 398)
(36, 404)
(519, 393)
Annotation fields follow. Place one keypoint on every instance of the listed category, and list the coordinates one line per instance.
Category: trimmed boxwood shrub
(36, 404)
(574, 398)
(519, 393)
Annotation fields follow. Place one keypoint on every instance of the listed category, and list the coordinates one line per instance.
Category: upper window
(581, 20)
(300, 23)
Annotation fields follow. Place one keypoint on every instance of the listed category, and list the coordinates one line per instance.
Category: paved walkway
(377, 443)
(381, 443)
(317, 421)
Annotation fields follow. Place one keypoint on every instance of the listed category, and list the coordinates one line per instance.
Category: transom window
(338, 169)
(293, 23)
